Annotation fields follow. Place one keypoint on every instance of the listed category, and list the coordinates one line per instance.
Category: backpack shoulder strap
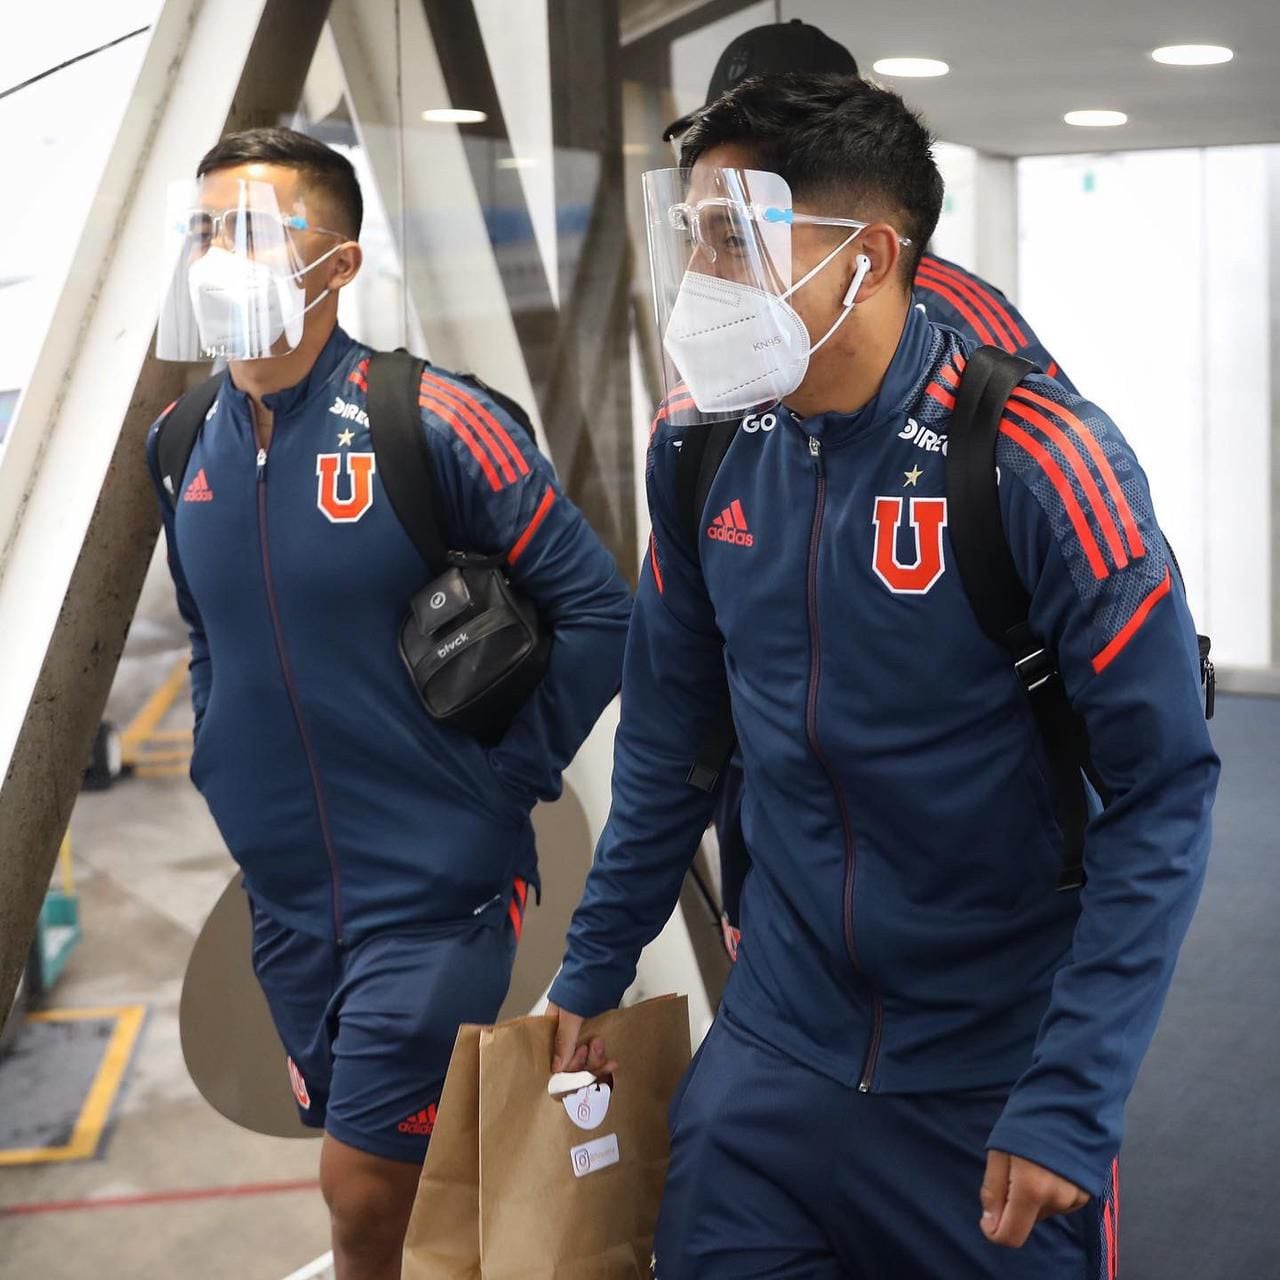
(177, 432)
(974, 523)
(1208, 677)
(996, 594)
(405, 464)
(699, 459)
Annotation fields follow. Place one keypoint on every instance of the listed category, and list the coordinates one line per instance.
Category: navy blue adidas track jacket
(346, 805)
(966, 303)
(900, 928)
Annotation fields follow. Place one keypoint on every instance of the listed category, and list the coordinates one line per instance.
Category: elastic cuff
(1066, 1164)
(580, 998)
(406, 1150)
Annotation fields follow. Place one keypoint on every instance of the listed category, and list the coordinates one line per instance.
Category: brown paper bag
(518, 1184)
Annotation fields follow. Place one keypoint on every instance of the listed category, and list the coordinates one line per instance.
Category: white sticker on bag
(588, 1107)
(595, 1155)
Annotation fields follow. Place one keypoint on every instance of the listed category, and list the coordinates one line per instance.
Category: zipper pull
(262, 465)
(815, 452)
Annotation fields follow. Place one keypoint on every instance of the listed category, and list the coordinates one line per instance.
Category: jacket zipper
(811, 724)
(321, 811)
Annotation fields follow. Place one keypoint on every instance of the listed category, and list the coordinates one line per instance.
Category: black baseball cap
(769, 50)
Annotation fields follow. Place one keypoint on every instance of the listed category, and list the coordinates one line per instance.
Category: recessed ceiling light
(517, 162)
(915, 67)
(1096, 119)
(1192, 55)
(454, 115)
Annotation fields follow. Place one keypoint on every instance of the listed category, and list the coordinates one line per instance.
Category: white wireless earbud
(864, 265)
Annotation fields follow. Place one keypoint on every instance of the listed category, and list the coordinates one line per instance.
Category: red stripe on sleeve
(935, 286)
(1052, 370)
(666, 409)
(1130, 628)
(532, 527)
(517, 921)
(983, 298)
(522, 891)
(464, 434)
(1134, 538)
(1065, 492)
(948, 375)
(487, 427)
(974, 301)
(653, 560)
(1101, 514)
(942, 397)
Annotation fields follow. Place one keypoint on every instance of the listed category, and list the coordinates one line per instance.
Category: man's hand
(1017, 1194)
(569, 1054)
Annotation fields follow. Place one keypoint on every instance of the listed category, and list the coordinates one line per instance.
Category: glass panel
(1127, 253)
(59, 129)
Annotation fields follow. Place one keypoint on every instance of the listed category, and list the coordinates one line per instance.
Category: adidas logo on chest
(731, 526)
(198, 490)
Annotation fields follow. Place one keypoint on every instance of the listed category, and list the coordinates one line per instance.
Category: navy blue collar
(901, 378)
(335, 350)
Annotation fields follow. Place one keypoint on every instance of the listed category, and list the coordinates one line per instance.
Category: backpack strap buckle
(1035, 668)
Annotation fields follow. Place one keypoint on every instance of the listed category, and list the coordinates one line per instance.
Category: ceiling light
(453, 115)
(915, 67)
(517, 162)
(1096, 119)
(1192, 55)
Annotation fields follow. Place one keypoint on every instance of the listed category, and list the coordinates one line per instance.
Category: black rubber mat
(59, 1083)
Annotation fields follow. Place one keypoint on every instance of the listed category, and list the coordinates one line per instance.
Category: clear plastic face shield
(235, 273)
(720, 257)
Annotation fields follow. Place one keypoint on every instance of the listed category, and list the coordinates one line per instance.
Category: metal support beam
(1273, 298)
(587, 396)
(80, 511)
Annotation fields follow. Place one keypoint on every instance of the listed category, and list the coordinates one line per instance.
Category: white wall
(978, 226)
(1145, 274)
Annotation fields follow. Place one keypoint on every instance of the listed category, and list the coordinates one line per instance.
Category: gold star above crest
(345, 437)
(912, 476)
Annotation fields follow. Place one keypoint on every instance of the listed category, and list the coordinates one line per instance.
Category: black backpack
(472, 642)
(990, 581)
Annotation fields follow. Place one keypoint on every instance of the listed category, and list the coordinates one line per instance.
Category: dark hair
(322, 168)
(845, 144)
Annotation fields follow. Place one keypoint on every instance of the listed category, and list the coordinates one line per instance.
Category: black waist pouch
(474, 647)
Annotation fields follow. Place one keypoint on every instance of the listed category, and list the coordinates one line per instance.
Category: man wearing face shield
(947, 293)
(922, 1055)
(386, 856)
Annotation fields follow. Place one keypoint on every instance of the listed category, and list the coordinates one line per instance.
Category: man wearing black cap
(948, 293)
(920, 1064)
(945, 292)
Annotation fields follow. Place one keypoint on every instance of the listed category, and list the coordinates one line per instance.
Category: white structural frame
(85, 375)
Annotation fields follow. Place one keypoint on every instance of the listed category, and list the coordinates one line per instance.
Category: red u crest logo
(360, 469)
(928, 519)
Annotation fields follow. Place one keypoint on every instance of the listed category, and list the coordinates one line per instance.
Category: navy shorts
(779, 1173)
(369, 1028)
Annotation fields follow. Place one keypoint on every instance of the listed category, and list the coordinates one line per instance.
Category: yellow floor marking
(64, 864)
(170, 735)
(102, 1092)
(156, 707)
(160, 771)
(148, 758)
